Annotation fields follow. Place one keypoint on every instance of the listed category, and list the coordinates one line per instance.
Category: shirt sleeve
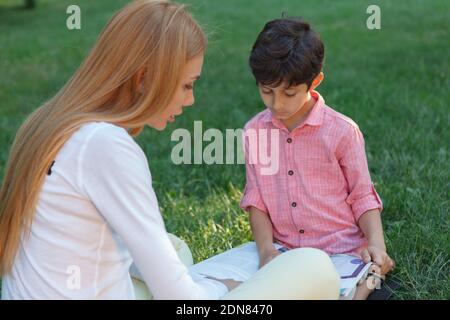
(116, 178)
(352, 159)
(252, 196)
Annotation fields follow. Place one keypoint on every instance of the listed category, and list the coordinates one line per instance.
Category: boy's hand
(267, 255)
(378, 255)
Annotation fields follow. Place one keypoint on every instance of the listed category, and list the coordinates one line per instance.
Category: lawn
(393, 82)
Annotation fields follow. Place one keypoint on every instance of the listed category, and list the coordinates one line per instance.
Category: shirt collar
(315, 116)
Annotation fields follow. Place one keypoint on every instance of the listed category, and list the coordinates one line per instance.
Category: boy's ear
(316, 82)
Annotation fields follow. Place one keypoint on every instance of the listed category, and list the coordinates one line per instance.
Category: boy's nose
(276, 104)
(277, 108)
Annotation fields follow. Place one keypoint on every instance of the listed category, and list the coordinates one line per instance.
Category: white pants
(297, 274)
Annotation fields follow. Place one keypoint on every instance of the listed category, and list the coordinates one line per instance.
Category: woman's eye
(188, 87)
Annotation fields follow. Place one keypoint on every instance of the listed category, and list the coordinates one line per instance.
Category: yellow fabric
(297, 274)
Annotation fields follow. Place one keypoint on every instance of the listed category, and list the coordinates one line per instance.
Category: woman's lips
(172, 117)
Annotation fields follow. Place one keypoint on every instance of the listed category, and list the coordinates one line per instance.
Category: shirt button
(294, 204)
(289, 140)
(301, 231)
(290, 172)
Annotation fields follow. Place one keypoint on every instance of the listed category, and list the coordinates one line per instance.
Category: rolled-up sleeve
(352, 159)
(252, 196)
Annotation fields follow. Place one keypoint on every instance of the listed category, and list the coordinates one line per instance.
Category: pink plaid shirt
(322, 186)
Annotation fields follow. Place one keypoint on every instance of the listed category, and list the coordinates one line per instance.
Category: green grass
(393, 82)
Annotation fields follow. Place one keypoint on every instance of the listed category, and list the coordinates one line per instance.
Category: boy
(322, 195)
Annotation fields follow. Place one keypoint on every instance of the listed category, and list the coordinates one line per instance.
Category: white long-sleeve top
(97, 213)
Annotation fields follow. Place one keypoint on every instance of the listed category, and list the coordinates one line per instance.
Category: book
(242, 262)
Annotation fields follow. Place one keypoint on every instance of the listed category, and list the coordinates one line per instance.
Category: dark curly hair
(287, 50)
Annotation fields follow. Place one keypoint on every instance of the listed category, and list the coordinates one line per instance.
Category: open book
(242, 262)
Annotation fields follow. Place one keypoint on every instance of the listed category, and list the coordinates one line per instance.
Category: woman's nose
(190, 100)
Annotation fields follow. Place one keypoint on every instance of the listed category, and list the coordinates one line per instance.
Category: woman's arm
(116, 178)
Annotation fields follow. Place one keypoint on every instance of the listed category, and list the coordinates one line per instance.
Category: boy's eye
(266, 91)
(289, 95)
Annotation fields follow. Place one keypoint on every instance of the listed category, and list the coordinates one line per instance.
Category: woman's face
(184, 94)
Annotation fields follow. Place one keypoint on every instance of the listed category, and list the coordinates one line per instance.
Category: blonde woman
(77, 206)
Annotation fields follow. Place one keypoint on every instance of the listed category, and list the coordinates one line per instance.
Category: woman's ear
(140, 79)
(316, 82)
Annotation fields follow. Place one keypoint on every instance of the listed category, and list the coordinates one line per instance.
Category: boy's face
(285, 102)
(282, 101)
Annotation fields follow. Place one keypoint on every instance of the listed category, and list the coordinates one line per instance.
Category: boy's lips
(280, 114)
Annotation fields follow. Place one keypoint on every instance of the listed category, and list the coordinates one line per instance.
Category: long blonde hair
(158, 36)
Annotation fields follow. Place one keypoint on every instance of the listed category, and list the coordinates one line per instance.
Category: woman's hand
(267, 255)
(378, 255)
(229, 283)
